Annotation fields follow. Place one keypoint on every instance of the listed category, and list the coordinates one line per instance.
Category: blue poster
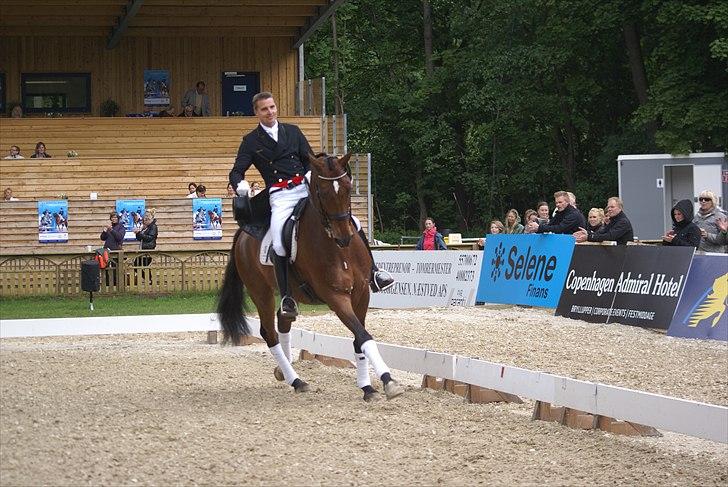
(207, 218)
(53, 221)
(130, 215)
(156, 87)
(525, 269)
(703, 308)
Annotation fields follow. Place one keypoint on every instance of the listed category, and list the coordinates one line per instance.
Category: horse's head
(331, 195)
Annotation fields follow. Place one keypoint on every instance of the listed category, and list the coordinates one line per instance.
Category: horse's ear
(345, 160)
(315, 161)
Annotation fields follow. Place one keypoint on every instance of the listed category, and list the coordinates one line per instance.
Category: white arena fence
(701, 420)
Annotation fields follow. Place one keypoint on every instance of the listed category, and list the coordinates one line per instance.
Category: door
(708, 176)
(678, 186)
(238, 89)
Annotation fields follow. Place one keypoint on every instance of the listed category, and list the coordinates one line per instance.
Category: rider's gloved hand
(243, 188)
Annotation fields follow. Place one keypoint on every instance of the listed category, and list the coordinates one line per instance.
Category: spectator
(113, 232)
(431, 239)
(496, 227)
(8, 195)
(619, 228)
(595, 220)
(684, 232)
(188, 111)
(147, 235)
(230, 191)
(567, 219)
(201, 191)
(543, 212)
(16, 112)
(513, 222)
(14, 153)
(255, 188)
(572, 201)
(40, 151)
(198, 100)
(167, 112)
(530, 216)
(707, 217)
(191, 188)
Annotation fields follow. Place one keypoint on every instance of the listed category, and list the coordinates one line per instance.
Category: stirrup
(291, 311)
(381, 281)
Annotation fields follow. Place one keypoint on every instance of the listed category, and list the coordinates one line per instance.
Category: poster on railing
(156, 87)
(207, 218)
(424, 279)
(53, 221)
(130, 213)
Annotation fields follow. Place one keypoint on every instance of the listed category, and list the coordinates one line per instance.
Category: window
(56, 92)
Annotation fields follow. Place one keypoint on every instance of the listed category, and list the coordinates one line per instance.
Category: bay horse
(335, 266)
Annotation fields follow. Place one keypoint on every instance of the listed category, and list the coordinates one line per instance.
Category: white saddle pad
(267, 243)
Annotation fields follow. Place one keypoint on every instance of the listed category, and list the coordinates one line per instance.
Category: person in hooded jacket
(708, 219)
(684, 232)
(513, 222)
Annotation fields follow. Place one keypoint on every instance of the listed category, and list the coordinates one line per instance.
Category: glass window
(56, 92)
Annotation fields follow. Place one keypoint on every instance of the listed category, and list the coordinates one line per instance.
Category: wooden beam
(323, 15)
(130, 11)
(216, 22)
(60, 20)
(231, 11)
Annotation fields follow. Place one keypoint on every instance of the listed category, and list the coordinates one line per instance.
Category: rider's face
(266, 111)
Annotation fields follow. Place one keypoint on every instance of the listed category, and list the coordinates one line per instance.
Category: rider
(280, 153)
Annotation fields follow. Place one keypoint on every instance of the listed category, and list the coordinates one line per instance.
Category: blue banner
(525, 269)
(207, 218)
(130, 213)
(703, 308)
(53, 221)
(156, 87)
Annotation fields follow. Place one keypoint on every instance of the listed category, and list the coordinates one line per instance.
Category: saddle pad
(266, 246)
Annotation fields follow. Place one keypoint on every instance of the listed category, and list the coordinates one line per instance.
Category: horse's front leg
(365, 347)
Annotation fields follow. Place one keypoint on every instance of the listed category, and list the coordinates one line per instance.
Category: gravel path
(169, 409)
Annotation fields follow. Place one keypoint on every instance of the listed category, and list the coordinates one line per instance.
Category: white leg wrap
(362, 370)
(371, 351)
(288, 373)
(285, 340)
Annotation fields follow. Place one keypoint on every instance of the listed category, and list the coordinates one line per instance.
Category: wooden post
(212, 337)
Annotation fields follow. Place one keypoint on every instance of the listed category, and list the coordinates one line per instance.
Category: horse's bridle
(326, 218)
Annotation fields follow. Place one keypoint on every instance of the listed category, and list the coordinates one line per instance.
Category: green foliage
(527, 97)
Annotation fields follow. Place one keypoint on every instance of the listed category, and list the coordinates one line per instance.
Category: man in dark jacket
(566, 220)
(619, 228)
(684, 232)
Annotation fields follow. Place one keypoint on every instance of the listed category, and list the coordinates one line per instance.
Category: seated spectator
(619, 228)
(513, 222)
(201, 191)
(230, 191)
(167, 112)
(14, 153)
(8, 195)
(198, 100)
(188, 112)
(496, 227)
(191, 188)
(543, 211)
(707, 218)
(40, 151)
(595, 220)
(684, 232)
(16, 112)
(431, 239)
(255, 188)
(566, 220)
(530, 216)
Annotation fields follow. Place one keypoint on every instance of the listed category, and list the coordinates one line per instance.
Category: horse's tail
(231, 302)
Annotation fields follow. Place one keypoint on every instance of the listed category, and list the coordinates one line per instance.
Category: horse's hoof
(372, 396)
(393, 389)
(278, 374)
(300, 386)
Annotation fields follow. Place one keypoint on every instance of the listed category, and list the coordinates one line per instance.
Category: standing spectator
(431, 239)
(40, 151)
(707, 217)
(684, 232)
(572, 201)
(567, 219)
(255, 188)
(147, 235)
(595, 220)
(8, 195)
(619, 228)
(14, 153)
(544, 213)
(113, 237)
(198, 100)
(16, 112)
(513, 222)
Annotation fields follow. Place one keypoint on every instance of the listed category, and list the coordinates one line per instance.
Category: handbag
(102, 257)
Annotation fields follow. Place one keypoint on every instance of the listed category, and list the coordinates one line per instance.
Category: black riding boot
(379, 280)
(289, 308)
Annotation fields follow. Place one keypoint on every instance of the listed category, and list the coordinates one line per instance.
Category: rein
(326, 218)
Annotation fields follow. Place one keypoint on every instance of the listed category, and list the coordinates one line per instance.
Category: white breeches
(282, 202)
(357, 223)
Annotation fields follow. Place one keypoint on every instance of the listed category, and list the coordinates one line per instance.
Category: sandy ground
(170, 409)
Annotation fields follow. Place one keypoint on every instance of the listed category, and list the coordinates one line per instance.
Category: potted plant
(109, 108)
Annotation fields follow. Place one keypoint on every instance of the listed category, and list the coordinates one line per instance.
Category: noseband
(326, 218)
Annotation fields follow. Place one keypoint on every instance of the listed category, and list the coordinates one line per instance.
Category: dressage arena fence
(578, 401)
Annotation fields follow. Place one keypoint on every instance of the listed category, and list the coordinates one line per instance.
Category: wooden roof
(113, 19)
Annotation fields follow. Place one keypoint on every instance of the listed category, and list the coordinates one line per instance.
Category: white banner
(428, 278)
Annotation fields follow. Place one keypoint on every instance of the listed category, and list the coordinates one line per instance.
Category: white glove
(243, 188)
